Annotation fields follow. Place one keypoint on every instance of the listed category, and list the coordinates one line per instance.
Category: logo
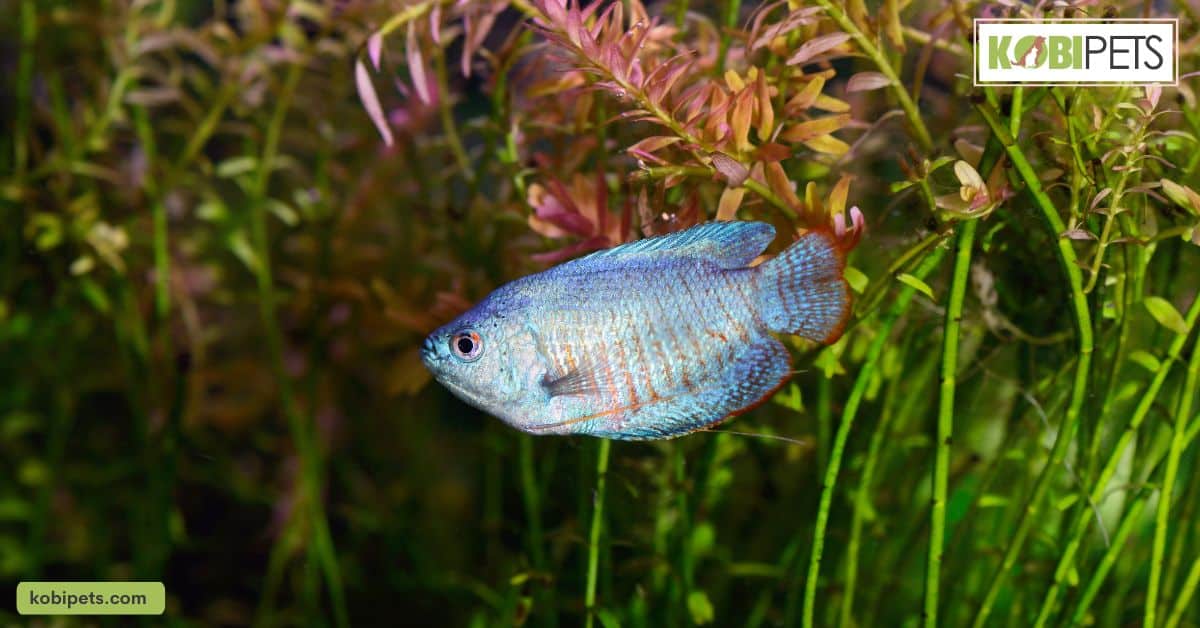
(1076, 52)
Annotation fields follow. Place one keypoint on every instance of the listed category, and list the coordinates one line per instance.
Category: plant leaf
(1183, 195)
(416, 66)
(857, 279)
(828, 144)
(1166, 314)
(652, 144)
(867, 81)
(731, 200)
(915, 283)
(370, 101)
(766, 112)
(375, 49)
(1078, 234)
(1145, 359)
(816, 46)
(734, 172)
(816, 127)
(700, 607)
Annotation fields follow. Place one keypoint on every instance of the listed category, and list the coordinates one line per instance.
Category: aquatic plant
(230, 225)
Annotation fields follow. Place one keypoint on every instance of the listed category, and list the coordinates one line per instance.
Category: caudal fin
(802, 291)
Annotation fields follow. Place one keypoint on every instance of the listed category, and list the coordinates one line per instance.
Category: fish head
(484, 358)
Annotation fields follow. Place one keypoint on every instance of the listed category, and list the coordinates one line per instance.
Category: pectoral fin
(581, 380)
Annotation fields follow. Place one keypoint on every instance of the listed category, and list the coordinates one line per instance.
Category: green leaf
(283, 211)
(1066, 501)
(1145, 359)
(703, 538)
(700, 608)
(1166, 314)
(236, 165)
(915, 283)
(239, 243)
(827, 361)
(857, 280)
(1182, 195)
(790, 399)
(608, 619)
(993, 501)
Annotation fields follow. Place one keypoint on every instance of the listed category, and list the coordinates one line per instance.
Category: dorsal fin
(732, 244)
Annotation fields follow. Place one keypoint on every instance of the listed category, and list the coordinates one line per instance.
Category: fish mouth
(429, 353)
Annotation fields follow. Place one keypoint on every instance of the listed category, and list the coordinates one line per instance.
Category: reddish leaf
(370, 100)
(779, 183)
(416, 66)
(772, 151)
(814, 47)
(813, 128)
(375, 49)
(1078, 234)
(867, 81)
(734, 172)
(740, 118)
(766, 113)
(653, 144)
(731, 200)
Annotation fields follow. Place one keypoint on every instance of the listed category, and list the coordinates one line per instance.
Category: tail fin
(802, 291)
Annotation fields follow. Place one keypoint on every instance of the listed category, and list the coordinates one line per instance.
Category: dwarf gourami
(651, 339)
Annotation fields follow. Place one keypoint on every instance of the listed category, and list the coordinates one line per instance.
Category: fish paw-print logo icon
(1030, 51)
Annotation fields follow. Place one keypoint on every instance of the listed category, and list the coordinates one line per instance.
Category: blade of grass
(964, 242)
(918, 378)
(1100, 486)
(597, 526)
(1178, 443)
(1068, 264)
(865, 375)
(1133, 517)
(300, 429)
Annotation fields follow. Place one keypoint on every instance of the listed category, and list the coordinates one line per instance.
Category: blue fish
(651, 339)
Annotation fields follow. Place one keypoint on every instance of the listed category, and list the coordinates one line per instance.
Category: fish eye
(466, 345)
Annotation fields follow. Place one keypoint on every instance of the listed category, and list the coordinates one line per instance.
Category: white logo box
(1094, 52)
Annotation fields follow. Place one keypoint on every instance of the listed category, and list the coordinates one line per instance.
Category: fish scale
(651, 339)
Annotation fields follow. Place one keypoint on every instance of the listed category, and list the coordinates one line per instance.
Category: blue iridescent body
(651, 339)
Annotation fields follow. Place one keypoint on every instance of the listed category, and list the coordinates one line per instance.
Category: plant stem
(885, 67)
(530, 494)
(1131, 520)
(446, 112)
(732, 9)
(865, 375)
(1178, 442)
(311, 504)
(945, 422)
(24, 86)
(1068, 264)
(597, 525)
(1186, 592)
(863, 509)
(1100, 487)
